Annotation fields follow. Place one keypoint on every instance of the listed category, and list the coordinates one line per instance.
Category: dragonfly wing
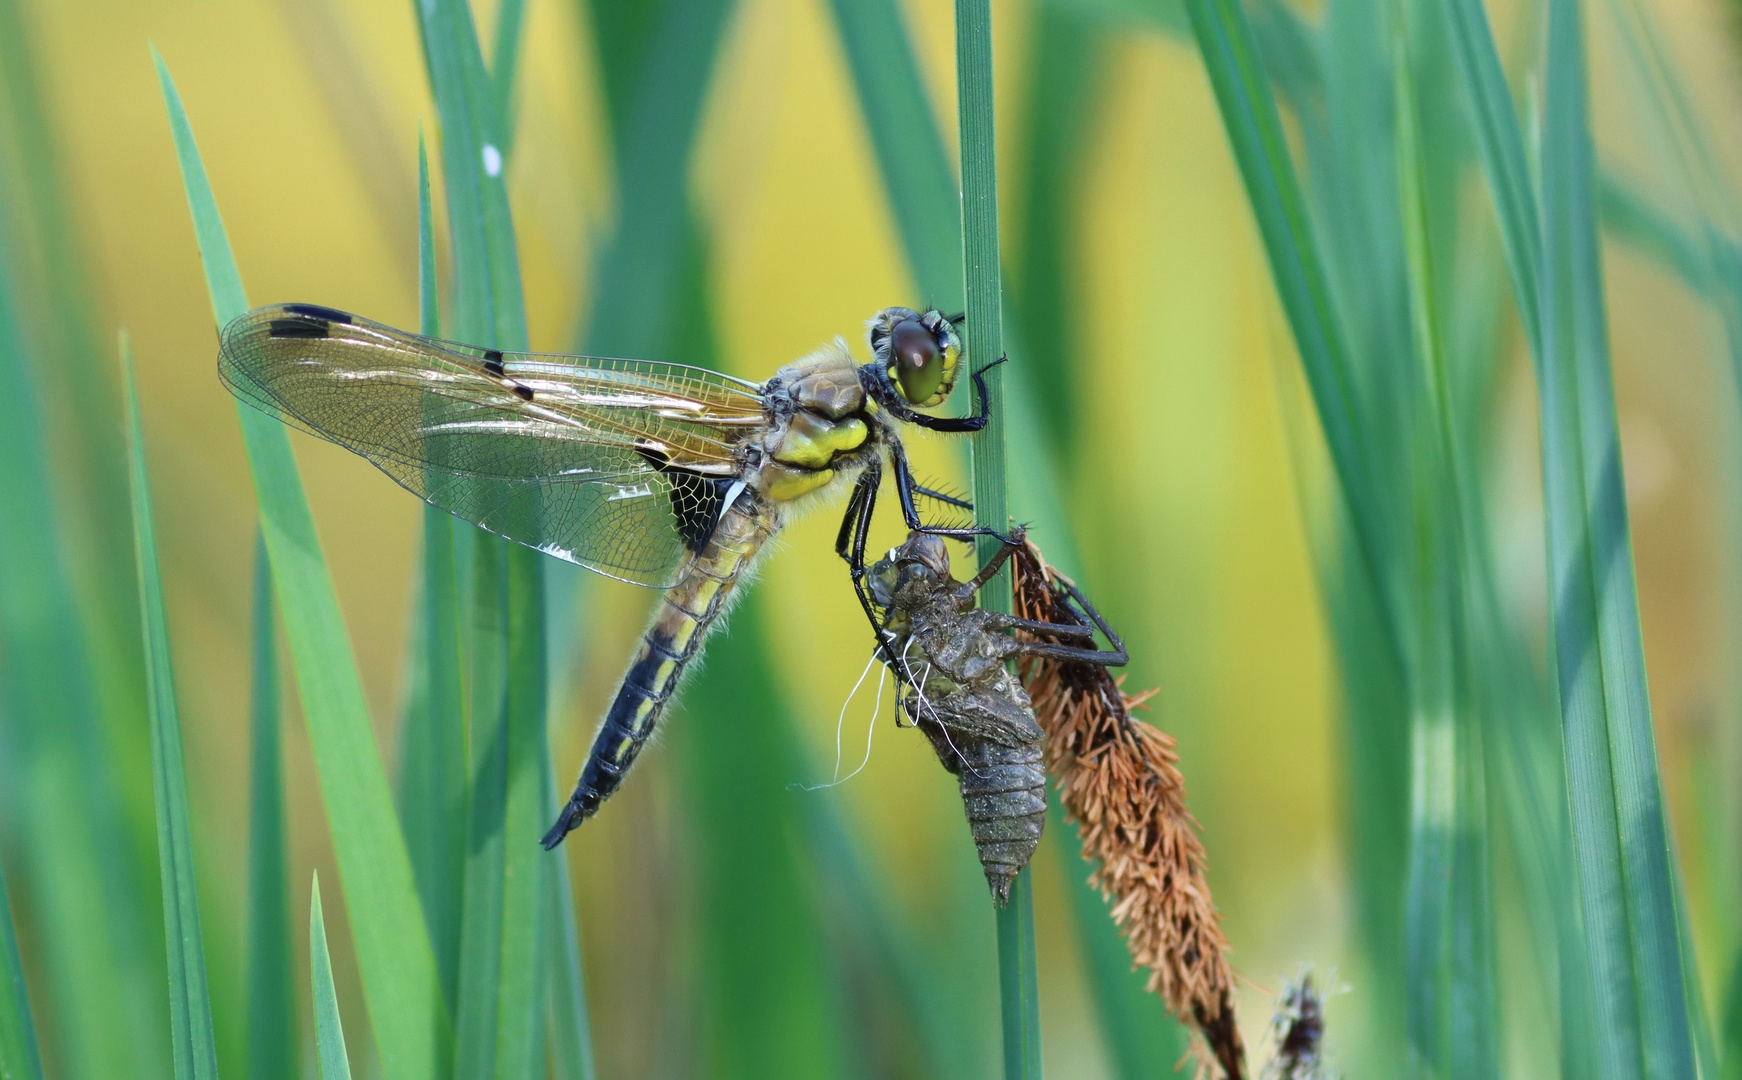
(613, 464)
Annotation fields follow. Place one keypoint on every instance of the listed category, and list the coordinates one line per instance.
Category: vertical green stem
(1018, 982)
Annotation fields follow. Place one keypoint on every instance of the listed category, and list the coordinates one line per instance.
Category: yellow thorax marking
(782, 484)
(811, 442)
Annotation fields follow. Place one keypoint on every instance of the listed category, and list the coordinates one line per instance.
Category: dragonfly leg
(904, 490)
(1072, 652)
(964, 423)
(939, 496)
(850, 542)
(1050, 629)
(1115, 657)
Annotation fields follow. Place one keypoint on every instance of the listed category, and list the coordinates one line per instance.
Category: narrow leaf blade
(190, 1005)
(393, 949)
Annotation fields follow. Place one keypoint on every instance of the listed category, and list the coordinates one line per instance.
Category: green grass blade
(571, 1040)
(631, 312)
(1630, 218)
(432, 760)
(504, 65)
(490, 309)
(1018, 971)
(190, 1006)
(502, 1006)
(329, 1032)
(104, 1009)
(393, 950)
(1501, 145)
(1452, 1021)
(921, 185)
(271, 1011)
(476, 1009)
(1731, 1032)
(1230, 54)
(1622, 863)
(526, 814)
(1063, 94)
(19, 1058)
(766, 1003)
(922, 196)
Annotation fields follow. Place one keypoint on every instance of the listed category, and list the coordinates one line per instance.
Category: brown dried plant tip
(1120, 784)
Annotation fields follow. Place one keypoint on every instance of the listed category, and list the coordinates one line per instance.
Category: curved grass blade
(393, 950)
(19, 1057)
(1230, 53)
(271, 1012)
(329, 1032)
(432, 758)
(1453, 1023)
(504, 65)
(571, 1039)
(633, 311)
(190, 1006)
(74, 753)
(767, 1005)
(502, 993)
(1622, 863)
(1501, 146)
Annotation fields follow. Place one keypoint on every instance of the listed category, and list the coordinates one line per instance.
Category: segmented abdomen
(681, 621)
(1004, 793)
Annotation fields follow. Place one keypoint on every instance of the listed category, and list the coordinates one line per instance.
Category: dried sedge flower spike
(1298, 1029)
(1120, 784)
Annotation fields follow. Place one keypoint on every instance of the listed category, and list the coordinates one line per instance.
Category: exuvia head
(910, 572)
(915, 355)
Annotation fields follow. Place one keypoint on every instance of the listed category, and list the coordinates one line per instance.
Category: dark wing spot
(493, 363)
(524, 393)
(298, 328)
(696, 500)
(316, 311)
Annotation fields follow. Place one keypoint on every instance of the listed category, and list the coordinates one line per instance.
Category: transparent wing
(613, 464)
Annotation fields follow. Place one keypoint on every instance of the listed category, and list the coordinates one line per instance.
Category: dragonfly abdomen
(1004, 793)
(682, 620)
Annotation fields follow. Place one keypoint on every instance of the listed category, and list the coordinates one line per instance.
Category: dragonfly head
(916, 354)
(910, 573)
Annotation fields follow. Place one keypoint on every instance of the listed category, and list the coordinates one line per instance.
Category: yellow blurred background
(1199, 514)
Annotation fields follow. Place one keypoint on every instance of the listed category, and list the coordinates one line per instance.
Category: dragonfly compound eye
(923, 366)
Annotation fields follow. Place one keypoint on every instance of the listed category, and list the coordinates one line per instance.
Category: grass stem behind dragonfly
(951, 655)
(664, 475)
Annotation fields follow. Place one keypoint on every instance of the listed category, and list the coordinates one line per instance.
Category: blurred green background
(1199, 498)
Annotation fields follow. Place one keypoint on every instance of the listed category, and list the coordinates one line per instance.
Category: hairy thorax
(822, 429)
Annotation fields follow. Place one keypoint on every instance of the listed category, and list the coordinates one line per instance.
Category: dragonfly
(951, 656)
(659, 474)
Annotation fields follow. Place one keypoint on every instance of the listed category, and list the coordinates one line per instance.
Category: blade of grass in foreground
(190, 1007)
(1451, 1008)
(432, 759)
(85, 868)
(1627, 897)
(19, 1059)
(271, 1009)
(1230, 54)
(502, 990)
(1501, 146)
(393, 950)
(1018, 977)
(329, 1032)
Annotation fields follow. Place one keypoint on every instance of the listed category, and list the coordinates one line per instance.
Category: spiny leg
(850, 542)
(904, 490)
